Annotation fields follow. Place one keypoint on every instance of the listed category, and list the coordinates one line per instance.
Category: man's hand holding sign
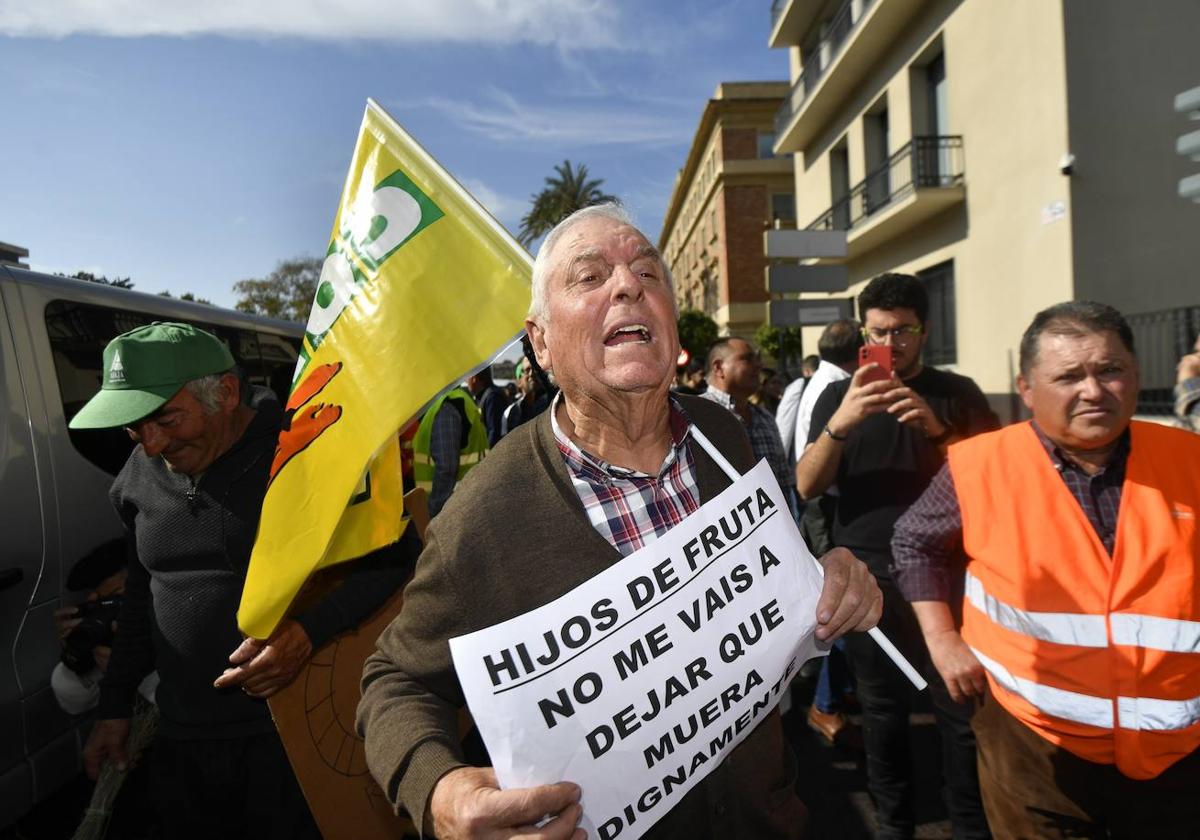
(654, 677)
(638, 682)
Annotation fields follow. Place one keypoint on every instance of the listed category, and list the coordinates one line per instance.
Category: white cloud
(507, 119)
(556, 22)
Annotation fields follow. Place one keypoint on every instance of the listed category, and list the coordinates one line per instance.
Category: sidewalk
(833, 782)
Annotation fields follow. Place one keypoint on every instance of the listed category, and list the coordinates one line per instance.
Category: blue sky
(190, 145)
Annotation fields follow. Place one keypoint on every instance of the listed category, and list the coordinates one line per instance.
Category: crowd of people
(1043, 576)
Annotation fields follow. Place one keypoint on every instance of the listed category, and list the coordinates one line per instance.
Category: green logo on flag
(397, 211)
(372, 229)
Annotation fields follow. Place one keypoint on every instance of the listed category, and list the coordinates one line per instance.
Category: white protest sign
(637, 683)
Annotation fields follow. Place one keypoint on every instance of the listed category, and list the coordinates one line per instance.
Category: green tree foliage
(697, 332)
(287, 292)
(188, 296)
(781, 343)
(568, 190)
(118, 282)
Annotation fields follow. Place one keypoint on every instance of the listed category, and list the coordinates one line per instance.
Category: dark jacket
(189, 549)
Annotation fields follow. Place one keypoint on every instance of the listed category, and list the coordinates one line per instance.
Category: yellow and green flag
(420, 287)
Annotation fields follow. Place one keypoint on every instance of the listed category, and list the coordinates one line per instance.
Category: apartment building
(733, 185)
(1013, 153)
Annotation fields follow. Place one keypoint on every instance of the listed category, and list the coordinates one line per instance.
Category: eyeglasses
(899, 335)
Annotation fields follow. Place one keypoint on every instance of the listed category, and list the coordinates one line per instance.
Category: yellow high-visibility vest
(470, 454)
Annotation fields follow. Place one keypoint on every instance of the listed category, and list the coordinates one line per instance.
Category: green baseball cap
(144, 368)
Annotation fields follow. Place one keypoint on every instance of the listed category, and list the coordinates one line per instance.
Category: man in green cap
(190, 497)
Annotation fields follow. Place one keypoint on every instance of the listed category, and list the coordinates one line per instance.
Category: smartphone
(881, 355)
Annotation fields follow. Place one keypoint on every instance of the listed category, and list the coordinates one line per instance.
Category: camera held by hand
(95, 629)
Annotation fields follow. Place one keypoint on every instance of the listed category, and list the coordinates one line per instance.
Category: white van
(54, 485)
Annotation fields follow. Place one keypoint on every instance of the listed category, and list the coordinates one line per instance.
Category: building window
(942, 346)
(766, 144)
(712, 289)
(783, 207)
(876, 130)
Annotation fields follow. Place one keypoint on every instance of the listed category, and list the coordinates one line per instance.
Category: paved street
(832, 785)
(833, 781)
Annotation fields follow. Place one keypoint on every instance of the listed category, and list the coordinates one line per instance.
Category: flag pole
(875, 633)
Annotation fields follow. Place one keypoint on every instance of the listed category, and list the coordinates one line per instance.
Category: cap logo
(116, 371)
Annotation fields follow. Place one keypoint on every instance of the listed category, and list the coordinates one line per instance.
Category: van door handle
(11, 577)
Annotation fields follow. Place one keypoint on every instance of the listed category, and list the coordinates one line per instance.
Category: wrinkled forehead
(602, 240)
(1068, 345)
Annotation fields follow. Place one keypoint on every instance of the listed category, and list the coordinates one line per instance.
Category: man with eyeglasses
(881, 441)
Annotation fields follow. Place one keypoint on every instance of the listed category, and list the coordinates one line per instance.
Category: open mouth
(628, 334)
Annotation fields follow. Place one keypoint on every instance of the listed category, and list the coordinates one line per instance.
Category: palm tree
(568, 190)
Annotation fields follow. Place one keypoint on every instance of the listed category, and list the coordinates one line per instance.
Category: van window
(78, 333)
(279, 356)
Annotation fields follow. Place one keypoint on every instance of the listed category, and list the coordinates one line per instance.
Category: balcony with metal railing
(790, 19)
(851, 42)
(920, 180)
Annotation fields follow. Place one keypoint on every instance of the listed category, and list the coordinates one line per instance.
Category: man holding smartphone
(881, 436)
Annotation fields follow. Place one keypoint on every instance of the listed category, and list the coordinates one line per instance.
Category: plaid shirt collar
(596, 469)
(1058, 457)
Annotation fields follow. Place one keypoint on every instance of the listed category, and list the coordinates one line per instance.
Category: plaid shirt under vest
(631, 509)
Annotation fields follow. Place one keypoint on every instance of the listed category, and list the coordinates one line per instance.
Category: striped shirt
(926, 545)
(631, 509)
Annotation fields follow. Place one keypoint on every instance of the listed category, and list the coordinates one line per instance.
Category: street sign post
(809, 313)
(1188, 145)
(785, 278)
(804, 244)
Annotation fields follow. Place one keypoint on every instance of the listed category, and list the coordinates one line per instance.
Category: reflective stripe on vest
(1150, 631)
(1098, 654)
(1060, 628)
(1141, 713)
(1068, 705)
(1144, 631)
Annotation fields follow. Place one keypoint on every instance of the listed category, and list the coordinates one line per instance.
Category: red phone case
(879, 354)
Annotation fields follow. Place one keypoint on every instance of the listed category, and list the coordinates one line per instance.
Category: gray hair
(207, 391)
(542, 266)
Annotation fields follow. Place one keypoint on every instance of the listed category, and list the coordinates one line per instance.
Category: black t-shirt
(885, 466)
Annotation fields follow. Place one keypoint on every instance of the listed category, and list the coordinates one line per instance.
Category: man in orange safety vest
(1080, 624)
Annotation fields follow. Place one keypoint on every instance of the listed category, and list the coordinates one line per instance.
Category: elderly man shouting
(609, 468)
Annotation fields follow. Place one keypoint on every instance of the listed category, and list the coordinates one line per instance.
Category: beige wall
(1011, 112)
(1007, 98)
